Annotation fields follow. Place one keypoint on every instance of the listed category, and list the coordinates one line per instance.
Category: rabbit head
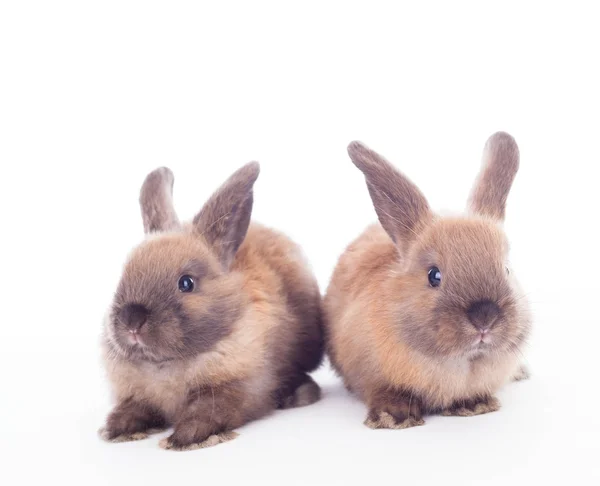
(177, 297)
(456, 295)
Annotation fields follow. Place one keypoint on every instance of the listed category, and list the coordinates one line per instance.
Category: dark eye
(186, 283)
(435, 277)
(507, 271)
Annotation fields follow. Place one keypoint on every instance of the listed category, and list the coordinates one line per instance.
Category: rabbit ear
(224, 219)
(499, 168)
(401, 207)
(156, 201)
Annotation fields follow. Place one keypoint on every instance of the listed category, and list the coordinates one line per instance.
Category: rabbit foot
(475, 406)
(173, 444)
(380, 419)
(306, 393)
(132, 420)
(109, 436)
(394, 409)
(522, 374)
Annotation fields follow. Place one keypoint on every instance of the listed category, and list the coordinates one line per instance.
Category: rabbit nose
(483, 314)
(134, 316)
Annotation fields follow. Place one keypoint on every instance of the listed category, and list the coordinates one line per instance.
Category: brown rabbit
(214, 323)
(422, 314)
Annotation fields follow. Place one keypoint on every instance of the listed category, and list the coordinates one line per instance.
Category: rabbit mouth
(132, 345)
(484, 338)
(482, 341)
(481, 344)
(135, 340)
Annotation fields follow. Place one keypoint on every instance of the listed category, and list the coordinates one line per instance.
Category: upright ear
(224, 219)
(156, 201)
(401, 207)
(499, 168)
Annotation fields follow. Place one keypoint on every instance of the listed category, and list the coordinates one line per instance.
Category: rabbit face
(462, 299)
(173, 301)
(177, 296)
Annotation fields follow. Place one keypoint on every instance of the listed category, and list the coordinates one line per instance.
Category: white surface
(93, 96)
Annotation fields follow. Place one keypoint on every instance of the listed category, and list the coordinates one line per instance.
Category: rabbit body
(233, 348)
(408, 346)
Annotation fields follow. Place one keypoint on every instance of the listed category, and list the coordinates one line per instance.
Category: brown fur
(394, 409)
(472, 406)
(156, 200)
(132, 419)
(522, 374)
(407, 348)
(493, 185)
(236, 347)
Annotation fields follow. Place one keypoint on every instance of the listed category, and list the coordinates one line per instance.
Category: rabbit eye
(507, 271)
(435, 277)
(186, 283)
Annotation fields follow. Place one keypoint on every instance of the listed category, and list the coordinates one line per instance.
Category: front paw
(380, 419)
(471, 407)
(132, 420)
(174, 444)
(394, 409)
(118, 436)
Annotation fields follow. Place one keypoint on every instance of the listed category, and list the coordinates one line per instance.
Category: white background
(93, 95)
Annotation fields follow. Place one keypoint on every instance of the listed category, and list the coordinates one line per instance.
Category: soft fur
(407, 348)
(236, 347)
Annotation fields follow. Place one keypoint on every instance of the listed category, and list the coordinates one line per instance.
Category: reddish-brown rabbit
(214, 323)
(422, 314)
